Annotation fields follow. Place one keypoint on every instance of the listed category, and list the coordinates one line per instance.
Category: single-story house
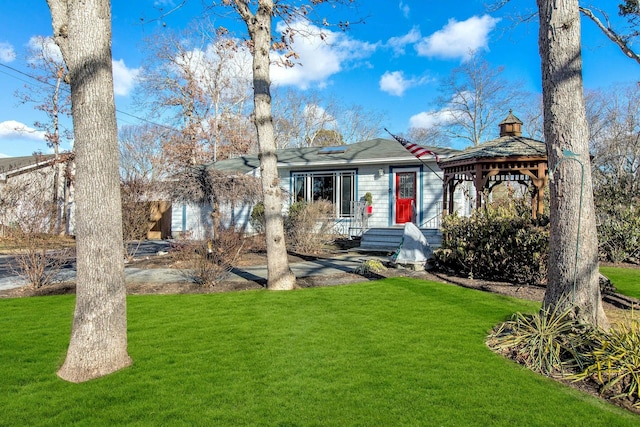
(28, 186)
(403, 187)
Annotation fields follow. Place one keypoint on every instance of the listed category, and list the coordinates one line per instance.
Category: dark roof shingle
(377, 150)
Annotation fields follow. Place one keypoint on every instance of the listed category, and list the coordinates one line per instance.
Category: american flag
(415, 149)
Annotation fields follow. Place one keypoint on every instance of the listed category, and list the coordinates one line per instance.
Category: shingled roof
(12, 166)
(511, 143)
(373, 151)
(503, 147)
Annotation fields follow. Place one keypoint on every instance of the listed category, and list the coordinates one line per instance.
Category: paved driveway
(344, 263)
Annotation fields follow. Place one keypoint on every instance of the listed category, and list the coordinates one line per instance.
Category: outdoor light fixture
(570, 155)
(380, 172)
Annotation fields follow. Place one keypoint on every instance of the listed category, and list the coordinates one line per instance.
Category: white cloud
(458, 39)
(428, 119)
(320, 57)
(7, 53)
(124, 79)
(12, 129)
(399, 43)
(44, 47)
(405, 9)
(395, 83)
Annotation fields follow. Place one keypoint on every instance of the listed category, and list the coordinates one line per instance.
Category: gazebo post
(478, 184)
(544, 180)
(452, 189)
(445, 195)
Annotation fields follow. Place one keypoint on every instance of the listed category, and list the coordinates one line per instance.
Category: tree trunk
(98, 343)
(573, 245)
(280, 276)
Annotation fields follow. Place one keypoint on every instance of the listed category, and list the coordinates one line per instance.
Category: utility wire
(15, 70)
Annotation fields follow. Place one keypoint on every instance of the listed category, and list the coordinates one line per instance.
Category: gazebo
(511, 157)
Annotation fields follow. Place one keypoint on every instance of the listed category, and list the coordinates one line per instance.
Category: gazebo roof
(511, 157)
(503, 147)
(510, 119)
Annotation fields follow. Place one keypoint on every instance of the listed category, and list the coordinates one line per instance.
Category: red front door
(405, 196)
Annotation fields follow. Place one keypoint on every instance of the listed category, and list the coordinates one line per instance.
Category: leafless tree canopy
(474, 98)
(200, 79)
(615, 140)
(205, 185)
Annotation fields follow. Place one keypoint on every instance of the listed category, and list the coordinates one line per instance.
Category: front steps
(388, 239)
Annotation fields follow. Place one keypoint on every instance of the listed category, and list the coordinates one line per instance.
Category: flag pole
(400, 140)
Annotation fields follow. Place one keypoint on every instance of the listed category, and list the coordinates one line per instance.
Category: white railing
(360, 218)
(435, 221)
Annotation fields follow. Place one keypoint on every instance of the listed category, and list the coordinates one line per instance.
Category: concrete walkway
(343, 263)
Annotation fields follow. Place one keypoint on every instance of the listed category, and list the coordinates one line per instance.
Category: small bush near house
(135, 215)
(209, 261)
(370, 266)
(498, 243)
(31, 219)
(257, 217)
(308, 226)
(40, 257)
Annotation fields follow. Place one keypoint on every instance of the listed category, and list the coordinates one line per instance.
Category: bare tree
(573, 245)
(533, 118)
(429, 136)
(475, 97)
(51, 98)
(357, 123)
(142, 154)
(200, 77)
(98, 345)
(615, 144)
(300, 115)
(258, 17)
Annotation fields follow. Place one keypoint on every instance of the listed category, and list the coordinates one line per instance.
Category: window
(336, 187)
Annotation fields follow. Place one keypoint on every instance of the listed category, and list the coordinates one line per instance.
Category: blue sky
(391, 63)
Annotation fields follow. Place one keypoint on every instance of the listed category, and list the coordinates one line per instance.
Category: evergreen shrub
(501, 242)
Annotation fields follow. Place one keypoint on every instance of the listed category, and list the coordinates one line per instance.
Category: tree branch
(611, 34)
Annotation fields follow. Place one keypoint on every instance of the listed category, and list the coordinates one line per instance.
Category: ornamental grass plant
(615, 363)
(551, 342)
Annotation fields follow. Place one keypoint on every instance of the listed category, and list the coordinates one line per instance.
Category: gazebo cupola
(511, 157)
(511, 126)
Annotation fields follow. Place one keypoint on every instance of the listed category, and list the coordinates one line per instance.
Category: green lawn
(390, 353)
(626, 280)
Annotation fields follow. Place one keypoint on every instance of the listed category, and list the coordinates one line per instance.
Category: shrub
(499, 243)
(209, 261)
(547, 342)
(40, 257)
(370, 266)
(257, 217)
(136, 213)
(30, 219)
(308, 226)
(619, 233)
